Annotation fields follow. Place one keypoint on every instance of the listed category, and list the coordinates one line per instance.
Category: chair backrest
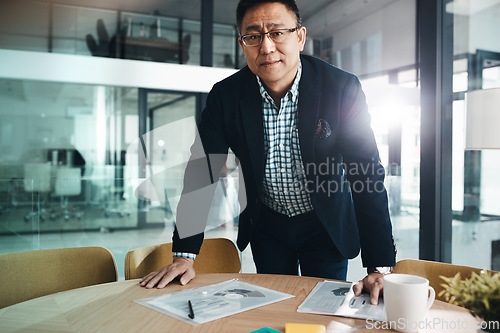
(68, 181)
(217, 255)
(37, 177)
(432, 270)
(31, 274)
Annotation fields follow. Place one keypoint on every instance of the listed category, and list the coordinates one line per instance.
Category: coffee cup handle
(432, 296)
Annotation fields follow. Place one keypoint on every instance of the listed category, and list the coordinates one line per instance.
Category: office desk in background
(111, 308)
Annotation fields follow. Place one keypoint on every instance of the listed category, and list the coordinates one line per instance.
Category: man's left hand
(373, 283)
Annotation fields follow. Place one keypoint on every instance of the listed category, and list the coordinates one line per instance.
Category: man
(301, 131)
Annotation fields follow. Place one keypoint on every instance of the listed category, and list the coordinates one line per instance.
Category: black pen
(191, 312)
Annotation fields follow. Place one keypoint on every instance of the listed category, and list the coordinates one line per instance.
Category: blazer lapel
(251, 112)
(307, 113)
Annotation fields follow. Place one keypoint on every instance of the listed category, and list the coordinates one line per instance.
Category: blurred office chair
(37, 180)
(186, 42)
(217, 255)
(68, 183)
(432, 270)
(31, 274)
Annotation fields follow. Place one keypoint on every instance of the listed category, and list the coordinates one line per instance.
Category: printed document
(213, 301)
(337, 299)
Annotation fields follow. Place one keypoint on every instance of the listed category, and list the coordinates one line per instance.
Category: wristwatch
(384, 270)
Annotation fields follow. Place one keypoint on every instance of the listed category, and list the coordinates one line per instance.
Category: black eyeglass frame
(262, 34)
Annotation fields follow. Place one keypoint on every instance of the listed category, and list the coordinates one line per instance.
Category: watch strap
(384, 270)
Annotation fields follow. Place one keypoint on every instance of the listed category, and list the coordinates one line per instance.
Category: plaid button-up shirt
(284, 180)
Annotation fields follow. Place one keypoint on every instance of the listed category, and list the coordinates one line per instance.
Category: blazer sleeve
(208, 156)
(365, 175)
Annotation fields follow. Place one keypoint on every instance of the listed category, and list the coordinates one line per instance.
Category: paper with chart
(337, 299)
(213, 301)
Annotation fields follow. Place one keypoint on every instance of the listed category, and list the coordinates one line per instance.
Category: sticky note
(265, 330)
(304, 328)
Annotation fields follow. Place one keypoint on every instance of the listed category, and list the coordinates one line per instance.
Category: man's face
(275, 64)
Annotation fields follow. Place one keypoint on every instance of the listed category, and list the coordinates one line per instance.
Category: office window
(476, 183)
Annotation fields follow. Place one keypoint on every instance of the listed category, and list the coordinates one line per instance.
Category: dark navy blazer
(339, 153)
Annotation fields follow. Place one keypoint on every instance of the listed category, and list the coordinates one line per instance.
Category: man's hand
(373, 283)
(182, 267)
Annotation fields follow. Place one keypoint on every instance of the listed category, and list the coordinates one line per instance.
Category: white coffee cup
(407, 298)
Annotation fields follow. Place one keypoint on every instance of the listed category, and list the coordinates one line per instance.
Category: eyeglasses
(277, 36)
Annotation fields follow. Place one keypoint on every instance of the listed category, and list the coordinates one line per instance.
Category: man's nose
(267, 45)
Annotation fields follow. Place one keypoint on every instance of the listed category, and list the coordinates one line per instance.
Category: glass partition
(171, 132)
(70, 165)
(152, 38)
(85, 31)
(192, 28)
(65, 156)
(226, 47)
(24, 27)
(114, 33)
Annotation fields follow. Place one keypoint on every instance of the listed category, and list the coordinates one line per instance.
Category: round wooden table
(110, 307)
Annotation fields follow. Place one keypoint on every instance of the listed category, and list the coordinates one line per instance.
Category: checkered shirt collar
(293, 92)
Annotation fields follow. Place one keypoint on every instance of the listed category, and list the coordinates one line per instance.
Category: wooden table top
(110, 307)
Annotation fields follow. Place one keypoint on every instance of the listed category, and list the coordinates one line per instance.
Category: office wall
(385, 38)
(478, 30)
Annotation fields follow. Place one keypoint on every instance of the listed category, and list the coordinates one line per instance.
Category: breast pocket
(325, 146)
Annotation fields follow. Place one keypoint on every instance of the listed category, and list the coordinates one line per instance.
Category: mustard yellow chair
(432, 270)
(31, 274)
(217, 255)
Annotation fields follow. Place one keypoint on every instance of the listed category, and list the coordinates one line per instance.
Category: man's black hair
(245, 5)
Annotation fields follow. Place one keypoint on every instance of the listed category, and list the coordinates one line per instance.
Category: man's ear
(301, 33)
(242, 47)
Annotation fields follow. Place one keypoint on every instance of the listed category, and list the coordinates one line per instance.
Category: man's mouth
(270, 63)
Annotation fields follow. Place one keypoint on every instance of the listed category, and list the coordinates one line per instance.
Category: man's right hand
(180, 267)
